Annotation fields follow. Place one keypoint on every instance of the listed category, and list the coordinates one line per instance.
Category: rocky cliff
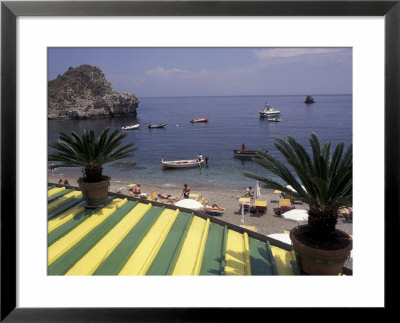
(84, 93)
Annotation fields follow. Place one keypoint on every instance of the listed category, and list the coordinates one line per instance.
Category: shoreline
(267, 223)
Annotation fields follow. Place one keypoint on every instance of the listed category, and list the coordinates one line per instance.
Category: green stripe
(113, 264)
(69, 225)
(58, 195)
(260, 261)
(223, 261)
(213, 252)
(272, 259)
(167, 256)
(64, 207)
(70, 257)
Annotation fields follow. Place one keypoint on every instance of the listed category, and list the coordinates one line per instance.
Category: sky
(214, 71)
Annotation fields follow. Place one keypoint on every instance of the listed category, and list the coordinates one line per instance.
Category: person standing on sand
(186, 191)
(51, 167)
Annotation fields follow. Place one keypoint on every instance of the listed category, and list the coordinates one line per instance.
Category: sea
(233, 121)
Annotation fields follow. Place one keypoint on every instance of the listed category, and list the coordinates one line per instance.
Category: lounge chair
(245, 203)
(346, 212)
(261, 206)
(285, 205)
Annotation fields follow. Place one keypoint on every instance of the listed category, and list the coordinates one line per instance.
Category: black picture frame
(10, 10)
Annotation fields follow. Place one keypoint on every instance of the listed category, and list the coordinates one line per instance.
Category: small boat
(309, 100)
(162, 125)
(188, 163)
(268, 111)
(199, 120)
(245, 153)
(274, 119)
(131, 127)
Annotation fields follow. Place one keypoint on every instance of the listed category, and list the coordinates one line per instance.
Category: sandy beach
(267, 223)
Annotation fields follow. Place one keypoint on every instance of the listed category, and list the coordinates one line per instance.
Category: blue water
(233, 121)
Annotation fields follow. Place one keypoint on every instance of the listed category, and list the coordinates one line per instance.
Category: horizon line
(236, 95)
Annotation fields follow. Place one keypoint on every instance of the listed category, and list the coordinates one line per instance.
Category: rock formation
(84, 93)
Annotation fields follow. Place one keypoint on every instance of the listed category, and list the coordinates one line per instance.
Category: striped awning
(130, 236)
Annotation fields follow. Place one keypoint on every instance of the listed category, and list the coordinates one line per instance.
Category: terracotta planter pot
(95, 194)
(315, 261)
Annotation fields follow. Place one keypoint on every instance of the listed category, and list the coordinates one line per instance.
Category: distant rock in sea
(84, 93)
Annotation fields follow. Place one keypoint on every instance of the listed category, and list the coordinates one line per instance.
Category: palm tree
(323, 181)
(89, 152)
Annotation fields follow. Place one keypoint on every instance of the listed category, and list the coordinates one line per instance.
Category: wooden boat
(274, 119)
(188, 163)
(245, 153)
(162, 125)
(131, 127)
(199, 120)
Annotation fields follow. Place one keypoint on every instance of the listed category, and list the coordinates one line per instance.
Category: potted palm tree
(324, 182)
(91, 153)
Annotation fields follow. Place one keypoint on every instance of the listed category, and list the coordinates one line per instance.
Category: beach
(265, 224)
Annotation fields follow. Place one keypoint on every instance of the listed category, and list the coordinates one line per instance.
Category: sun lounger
(245, 203)
(261, 206)
(285, 205)
(346, 212)
(249, 227)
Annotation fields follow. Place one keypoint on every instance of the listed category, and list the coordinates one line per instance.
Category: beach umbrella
(258, 191)
(190, 204)
(295, 215)
(284, 237)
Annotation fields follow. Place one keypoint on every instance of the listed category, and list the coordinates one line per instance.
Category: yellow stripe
(64, 217)
(247, 268)
(282, 260)
(54, 190)
(69, 240)
(88, 264)
(234, 257)
(143, 256)
(201, 251)
(62, 200)
(191, 255)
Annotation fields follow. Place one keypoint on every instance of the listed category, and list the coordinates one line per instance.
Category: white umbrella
(190, 204)
(296, 215)
(284, 237)
(258, 191)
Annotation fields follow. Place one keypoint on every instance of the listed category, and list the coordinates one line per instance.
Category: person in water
(243, 147)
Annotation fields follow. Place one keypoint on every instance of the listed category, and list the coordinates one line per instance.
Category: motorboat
(188, 163)
(245, 154)
(131, 127)
(268, 111)
(309, 100)
(161, 125)
(274, 119)
(199, 120)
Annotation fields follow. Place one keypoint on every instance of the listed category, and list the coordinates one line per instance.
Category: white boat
(131, 127)
(182, 163)
(268, 111)
(274, 119)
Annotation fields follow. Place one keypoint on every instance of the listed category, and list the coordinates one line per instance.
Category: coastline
(265, 224)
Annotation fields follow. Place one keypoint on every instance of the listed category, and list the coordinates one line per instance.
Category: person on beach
(136, 191)
(66, 182)
(249, 192)
(186, 191)
(61, 182)
(51, 167)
